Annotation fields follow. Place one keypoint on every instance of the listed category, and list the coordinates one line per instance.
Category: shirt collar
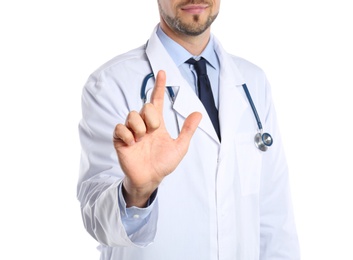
(179, 54)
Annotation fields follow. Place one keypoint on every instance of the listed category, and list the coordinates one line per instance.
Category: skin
(145, 150)
(188, 22)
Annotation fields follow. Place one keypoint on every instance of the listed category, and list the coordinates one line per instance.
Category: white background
(49, 48)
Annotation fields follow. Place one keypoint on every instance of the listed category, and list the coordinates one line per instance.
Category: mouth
(195, 8)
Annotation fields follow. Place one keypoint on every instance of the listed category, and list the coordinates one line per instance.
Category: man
(177, 181)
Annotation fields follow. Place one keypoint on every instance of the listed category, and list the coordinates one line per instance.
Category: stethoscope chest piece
(263, 141)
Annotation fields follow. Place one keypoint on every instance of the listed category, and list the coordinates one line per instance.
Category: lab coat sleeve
(134, 218)
(103, 106)
(278, 238)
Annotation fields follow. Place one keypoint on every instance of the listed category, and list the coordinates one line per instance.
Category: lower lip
(194, 10)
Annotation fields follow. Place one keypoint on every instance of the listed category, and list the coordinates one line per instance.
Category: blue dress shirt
(179, 55)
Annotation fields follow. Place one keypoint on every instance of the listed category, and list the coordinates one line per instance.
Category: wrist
(138, 197)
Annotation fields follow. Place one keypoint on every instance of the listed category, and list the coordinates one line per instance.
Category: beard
(191, 29)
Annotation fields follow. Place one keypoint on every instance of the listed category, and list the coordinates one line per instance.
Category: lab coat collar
(159, 59)
(232, 102)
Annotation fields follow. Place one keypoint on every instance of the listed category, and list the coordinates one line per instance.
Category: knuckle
(154, 124)
(118, 129)
(135, 123)
(131, 116)
(147, 107)
(140, 130)
(122, 134)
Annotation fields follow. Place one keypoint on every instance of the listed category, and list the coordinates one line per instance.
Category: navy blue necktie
(205, 92)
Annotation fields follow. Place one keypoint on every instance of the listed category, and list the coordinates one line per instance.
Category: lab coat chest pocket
(249, 163)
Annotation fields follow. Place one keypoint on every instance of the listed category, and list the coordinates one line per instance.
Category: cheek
(216, 6)
(167, 5)
(168, 8)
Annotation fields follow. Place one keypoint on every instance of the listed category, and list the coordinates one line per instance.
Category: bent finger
(122, 135)
(136, 124)
(151, 117)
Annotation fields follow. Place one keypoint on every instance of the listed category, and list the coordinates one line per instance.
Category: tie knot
(200, 65)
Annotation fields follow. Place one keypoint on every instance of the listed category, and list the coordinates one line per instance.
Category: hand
(146, 151)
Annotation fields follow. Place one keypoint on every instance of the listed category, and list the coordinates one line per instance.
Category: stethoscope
(262, 140)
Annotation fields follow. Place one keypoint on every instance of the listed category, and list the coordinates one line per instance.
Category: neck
(193, 44)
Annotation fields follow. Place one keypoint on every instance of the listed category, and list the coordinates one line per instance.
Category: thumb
(187, 131)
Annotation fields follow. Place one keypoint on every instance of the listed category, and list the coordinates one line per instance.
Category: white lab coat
(225, 201)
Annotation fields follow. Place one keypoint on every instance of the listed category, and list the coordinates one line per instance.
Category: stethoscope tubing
(246, 90)
(143, 87)
(262, 140)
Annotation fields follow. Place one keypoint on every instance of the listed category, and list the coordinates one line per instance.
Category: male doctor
(157, 181)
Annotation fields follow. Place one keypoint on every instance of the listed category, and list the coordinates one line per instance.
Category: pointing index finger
(157, 98)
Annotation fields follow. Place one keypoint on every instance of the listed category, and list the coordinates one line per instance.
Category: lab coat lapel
(186, 101)
(232, 102)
